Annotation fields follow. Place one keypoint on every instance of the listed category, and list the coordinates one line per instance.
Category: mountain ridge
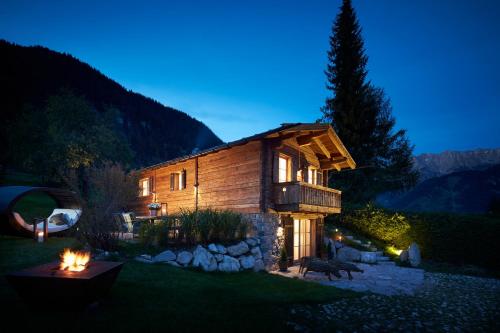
(439, 164)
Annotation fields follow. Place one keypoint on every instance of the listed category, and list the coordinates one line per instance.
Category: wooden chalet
(278, 178)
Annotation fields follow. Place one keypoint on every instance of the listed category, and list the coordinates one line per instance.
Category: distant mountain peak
(438, 164)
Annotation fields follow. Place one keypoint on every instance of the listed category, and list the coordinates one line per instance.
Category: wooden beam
(332, 163)
(321, 147)
(305, 140)
(277, 142)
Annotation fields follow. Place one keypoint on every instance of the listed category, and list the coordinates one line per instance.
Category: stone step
(383, 258)
(379, 253)
(349, 237)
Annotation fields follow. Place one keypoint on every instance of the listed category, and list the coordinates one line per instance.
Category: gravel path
(444, 303)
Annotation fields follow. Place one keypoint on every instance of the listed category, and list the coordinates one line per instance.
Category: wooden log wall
(227, 179)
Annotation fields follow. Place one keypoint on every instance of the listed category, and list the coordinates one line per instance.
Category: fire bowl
(44, 285)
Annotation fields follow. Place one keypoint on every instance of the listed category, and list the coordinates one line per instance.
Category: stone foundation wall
(265, 227)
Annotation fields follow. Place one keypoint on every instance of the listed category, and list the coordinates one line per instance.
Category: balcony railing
(304, 197)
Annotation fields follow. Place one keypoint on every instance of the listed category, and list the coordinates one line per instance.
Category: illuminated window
(299, 176)
(312, 175)
(283, 169)
(144, 187)
(178, 180)
(163, 209)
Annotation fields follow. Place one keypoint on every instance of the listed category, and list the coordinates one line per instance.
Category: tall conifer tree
(362, 116)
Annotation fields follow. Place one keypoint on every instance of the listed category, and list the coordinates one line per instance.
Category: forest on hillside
(53, 104)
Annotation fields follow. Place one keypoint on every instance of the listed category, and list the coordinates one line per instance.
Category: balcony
(304, 197)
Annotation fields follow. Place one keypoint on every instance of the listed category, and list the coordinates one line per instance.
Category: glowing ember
(74, 261)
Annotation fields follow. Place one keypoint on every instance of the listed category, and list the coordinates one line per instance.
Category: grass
(163, 298)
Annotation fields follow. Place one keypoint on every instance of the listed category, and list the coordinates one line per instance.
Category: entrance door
(301, 238)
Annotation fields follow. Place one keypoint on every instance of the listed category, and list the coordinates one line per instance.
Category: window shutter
(275, 167)
(172, 181)
(151, 184)
(184, 178)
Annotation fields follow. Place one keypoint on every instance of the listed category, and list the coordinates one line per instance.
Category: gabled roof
(321, 136)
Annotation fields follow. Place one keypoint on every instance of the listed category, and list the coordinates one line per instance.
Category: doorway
(301, 238)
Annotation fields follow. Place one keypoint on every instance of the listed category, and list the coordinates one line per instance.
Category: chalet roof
(301, 130)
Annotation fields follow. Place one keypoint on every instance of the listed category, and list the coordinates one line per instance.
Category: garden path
(380, 279)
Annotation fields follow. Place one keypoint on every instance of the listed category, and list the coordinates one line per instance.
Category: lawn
(160, 297)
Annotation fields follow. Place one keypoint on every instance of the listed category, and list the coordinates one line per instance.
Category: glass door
(301, 238)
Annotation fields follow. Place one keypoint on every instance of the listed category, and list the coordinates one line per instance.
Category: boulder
(165, 256)
(368, 257)
(247, 262)
(259, 266)
(212, 248)
(414, 255)
(238, 249)
(252, 241)
(204, 259)
(221, 249)
(256, 252)
(348, 253)
(229, 264)
(403, 256)
(219, 257)
(184, 258)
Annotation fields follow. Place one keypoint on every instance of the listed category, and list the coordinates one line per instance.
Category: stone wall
(264, 227)
(243, 255)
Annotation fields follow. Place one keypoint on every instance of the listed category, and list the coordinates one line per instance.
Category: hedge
(444, 237)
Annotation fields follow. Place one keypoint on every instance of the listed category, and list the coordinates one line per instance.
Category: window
(299, 176)
(144, 187)
(301, 238)
(312, 175)
(283, 169)
(178, 180)
(163, 209)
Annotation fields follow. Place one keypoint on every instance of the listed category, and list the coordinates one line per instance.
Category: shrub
(388, 227)
(102, 190)
(191, 227)
(283, 255)
(444, 237)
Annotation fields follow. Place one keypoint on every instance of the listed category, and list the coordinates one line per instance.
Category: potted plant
(325, 251)
(154, 207)
(283, 262)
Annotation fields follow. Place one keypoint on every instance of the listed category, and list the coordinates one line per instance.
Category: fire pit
(74, 282)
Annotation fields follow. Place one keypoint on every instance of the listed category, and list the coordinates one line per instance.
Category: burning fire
(74, 261)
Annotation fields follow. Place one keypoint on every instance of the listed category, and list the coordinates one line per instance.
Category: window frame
(143, 189)
(288, 168)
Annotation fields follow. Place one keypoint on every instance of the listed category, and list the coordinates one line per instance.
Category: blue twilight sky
(247, 66)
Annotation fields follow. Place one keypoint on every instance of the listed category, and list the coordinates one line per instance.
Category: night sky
(245, 67)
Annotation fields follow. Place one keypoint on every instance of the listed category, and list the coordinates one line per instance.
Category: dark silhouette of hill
(470, 191)
(29, 75)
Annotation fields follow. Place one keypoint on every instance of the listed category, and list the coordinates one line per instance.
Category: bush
(192, 227)
(444, 237)
(457, 239)
(102, 191)
(388, 227)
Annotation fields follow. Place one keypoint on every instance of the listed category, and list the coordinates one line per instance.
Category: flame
(74, 261)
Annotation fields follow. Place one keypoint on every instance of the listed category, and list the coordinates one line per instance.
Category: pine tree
(362, 116)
